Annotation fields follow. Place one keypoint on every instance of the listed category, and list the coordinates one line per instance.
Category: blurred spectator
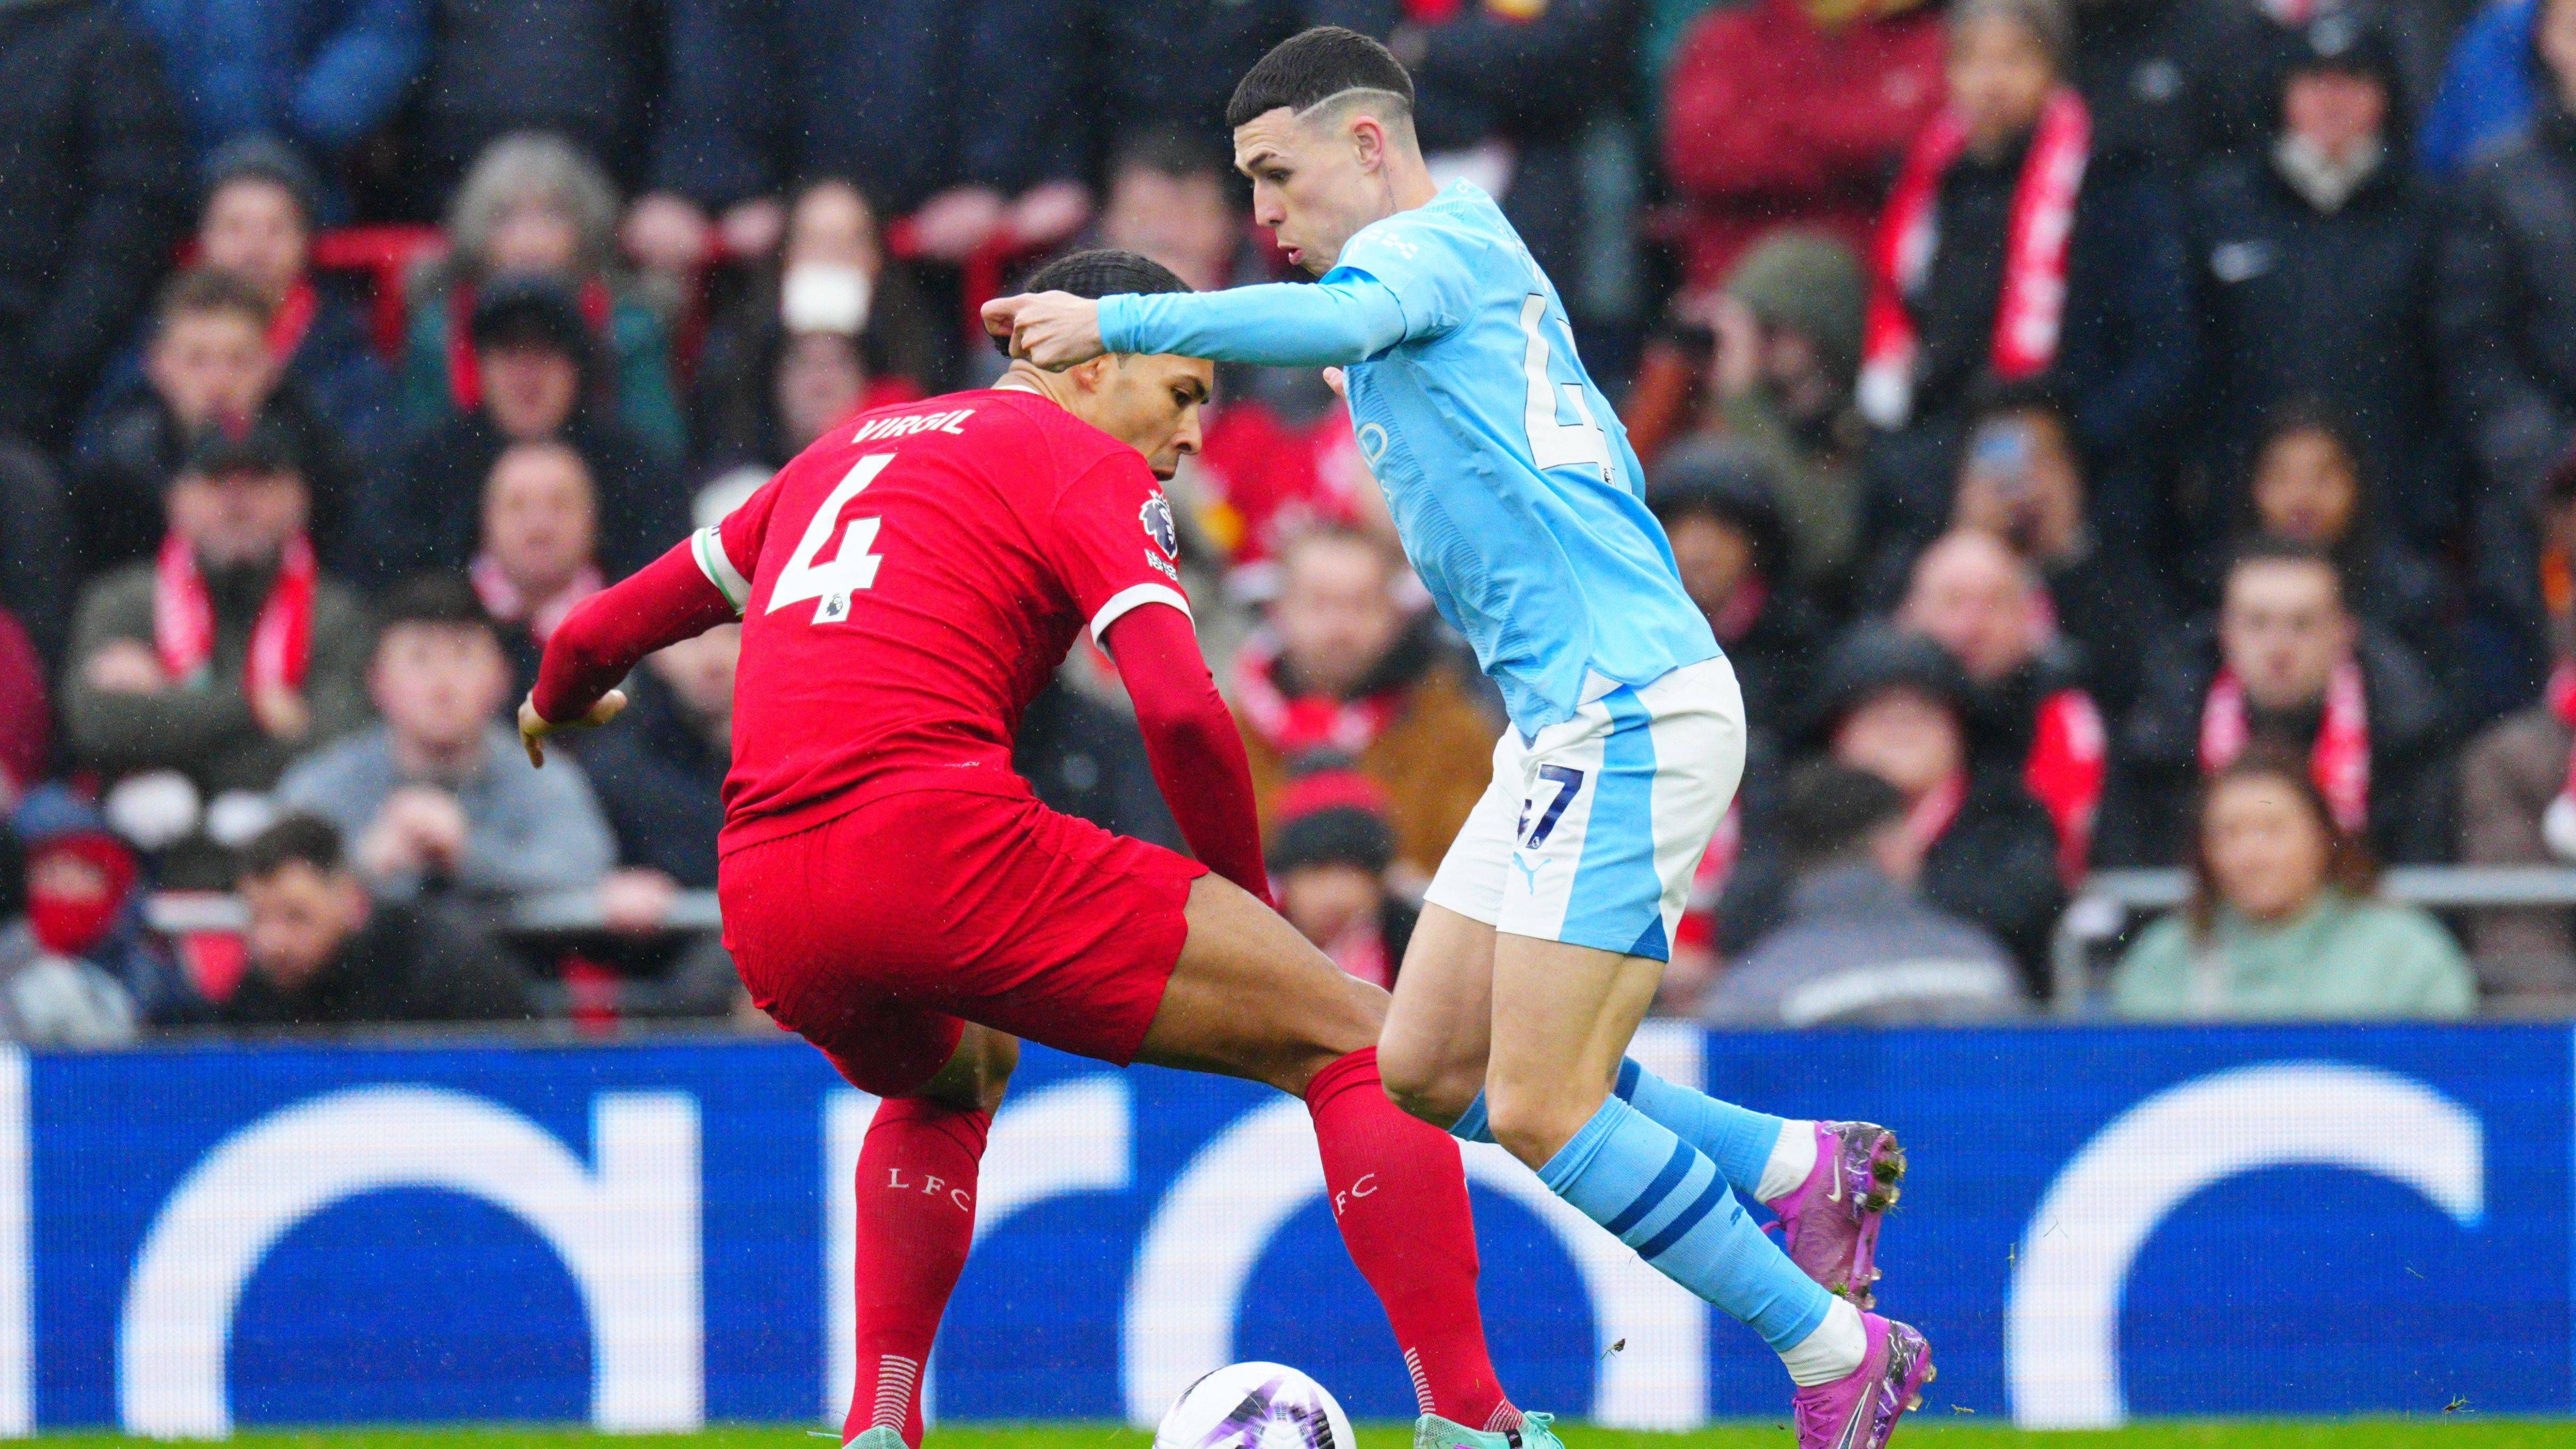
(834, 330)
(2285, 663)
(578, 69)
(1174, 63)
(2518, 792)
(322, 953)
(534, 355)
(230, 651)
(2313, 258)
(1895, 705)
(659, 767)
(538, 557)
(440, 793)
(1785, 113)
(762, 95)
(258, 224)
(78, 970)
(2013, 247)
(536, 207)
(1171, 198)
(207, 365)
(325, 74)
(93, 181)
(2281, 921)
(26, 751)
(2028, 713)
(1507, 96)
(1345, 668)
(2505, 316)
(1860, 945)
(1080, 751)
(2308, 489)
(1786, 341)
(2022, 481)
(2493, 82)
(1330, 846)
(39, 548)
(2163, 78)
(1718, 502)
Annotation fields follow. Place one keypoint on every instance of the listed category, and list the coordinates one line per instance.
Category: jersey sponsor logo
(1156, 515)
(904, 427)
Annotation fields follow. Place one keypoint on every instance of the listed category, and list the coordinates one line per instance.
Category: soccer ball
(1254, 1406)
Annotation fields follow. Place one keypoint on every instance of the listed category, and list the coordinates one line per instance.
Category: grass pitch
(2452, 1431)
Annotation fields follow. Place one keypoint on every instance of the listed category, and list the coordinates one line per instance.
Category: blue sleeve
(1348, 317)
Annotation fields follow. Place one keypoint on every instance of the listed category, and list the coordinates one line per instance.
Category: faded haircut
(1318, 65)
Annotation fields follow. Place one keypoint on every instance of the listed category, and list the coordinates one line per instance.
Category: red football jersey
(907, 586)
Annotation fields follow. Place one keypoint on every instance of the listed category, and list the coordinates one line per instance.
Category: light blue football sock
(1738, 1139)
(1666, 1199)
(1471, 1125)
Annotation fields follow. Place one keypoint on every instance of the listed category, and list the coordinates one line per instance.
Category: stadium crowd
(2134, 433)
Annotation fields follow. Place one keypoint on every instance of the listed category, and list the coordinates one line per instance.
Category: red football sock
(1400, 1200)
(916, 1199)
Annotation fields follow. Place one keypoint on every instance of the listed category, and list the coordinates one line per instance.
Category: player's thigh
(1438, 1026)
(1562, 1018)
(1250, 997)
(1433, 1050)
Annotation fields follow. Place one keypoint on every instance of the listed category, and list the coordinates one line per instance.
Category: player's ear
(1367, 139)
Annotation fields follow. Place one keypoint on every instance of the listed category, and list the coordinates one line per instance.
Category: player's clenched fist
(1054, 330)
(534, 727)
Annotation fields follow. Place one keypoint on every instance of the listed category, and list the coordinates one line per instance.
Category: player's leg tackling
(917, 1177)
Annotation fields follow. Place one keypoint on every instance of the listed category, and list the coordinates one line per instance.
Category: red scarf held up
(2340, 762)
(2029, 315)
(292, 319)
(183, 619)
(2064, 772)
(1310, 721)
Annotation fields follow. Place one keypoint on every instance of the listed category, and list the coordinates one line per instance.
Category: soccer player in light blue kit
(1548, 924)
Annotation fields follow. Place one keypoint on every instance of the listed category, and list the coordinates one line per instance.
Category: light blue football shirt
(1511, 480)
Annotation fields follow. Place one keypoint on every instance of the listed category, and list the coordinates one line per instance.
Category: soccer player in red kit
(895, 893)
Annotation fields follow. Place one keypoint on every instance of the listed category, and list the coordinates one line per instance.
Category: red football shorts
(879, 933)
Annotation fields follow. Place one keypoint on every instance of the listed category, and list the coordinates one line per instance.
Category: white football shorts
(1589, 833)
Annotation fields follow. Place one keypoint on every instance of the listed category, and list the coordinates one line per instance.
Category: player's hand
(534, 727)
(1333, 380)
(1053, 330)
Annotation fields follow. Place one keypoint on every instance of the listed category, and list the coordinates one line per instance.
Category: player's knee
(1534, 1125)
(1420, 1083)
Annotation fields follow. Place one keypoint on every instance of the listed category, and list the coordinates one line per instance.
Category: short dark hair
(1315, 65)
(200, 290)
(298, 838)
(436, 600)
(2263, 549)
(1830, 811)
(1100, 272)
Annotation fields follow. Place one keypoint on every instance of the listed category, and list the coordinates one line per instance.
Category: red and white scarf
(507, 602)
(1309, 721)
(183, 619)
(2558, 822)
(2028, 318)
(2065, 771)
(2340, 762)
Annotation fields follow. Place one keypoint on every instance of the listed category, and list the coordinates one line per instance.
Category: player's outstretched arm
(1191, 741)
(1341, 321)
(666, 601)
